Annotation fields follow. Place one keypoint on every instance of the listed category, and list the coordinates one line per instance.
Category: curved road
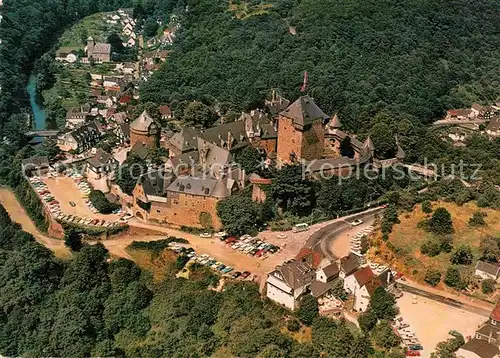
(325, 236)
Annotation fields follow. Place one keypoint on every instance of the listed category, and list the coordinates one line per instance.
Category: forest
(413, 59)
(89, 306)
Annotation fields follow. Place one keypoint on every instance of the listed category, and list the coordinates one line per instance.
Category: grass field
(93, 25)
(406, 239)
(158, 265)
(243, 10)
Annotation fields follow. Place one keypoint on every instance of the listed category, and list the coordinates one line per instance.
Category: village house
(485, 270)
(37, 165)
(361, 284)
(490, 331)
(482, 112)
(66, 54)
(101, 165)
(347, 266)
(165, 112)
(493, 128)
(75, 117)
(324, 280)
(288, 283)
(477, 348)
(459, 114)
(122, 132)
(120, 118)
(81, 139)
(100, 52)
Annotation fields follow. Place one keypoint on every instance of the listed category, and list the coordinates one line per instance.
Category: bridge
(44, 133)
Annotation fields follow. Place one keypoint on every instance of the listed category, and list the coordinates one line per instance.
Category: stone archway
(139, 216)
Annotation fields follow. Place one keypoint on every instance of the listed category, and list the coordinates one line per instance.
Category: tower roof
(400, 154)
(220, 189)
(334, 122)
(368, 143)
(304, 111)
(90, 38)
(142, 123)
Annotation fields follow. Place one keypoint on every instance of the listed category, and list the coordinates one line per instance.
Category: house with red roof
(125, 99)
(361, 284)
(490, 331)
(165, 112)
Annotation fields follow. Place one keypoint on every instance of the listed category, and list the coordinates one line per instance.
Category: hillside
(413, 58)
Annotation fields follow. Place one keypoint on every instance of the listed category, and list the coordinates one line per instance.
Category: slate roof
(156, 182)
(125, 129)
(304, 111)
(36, 162)
(102, 48)
(142, 123)
(140, 149)
(348, 264)
(100, 159)
(186, 140)
(331, 270)
(488, 330)
(319, 288)
(480, 347)
(220, 134)
(83, 132)
(218, 188)
(296, 274)
(488, 268)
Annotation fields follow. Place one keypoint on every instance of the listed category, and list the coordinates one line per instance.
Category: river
(38, 112)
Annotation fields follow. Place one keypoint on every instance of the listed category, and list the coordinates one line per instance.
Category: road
(460, 302)
(324, 237)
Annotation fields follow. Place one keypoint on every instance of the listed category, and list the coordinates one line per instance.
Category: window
(158, 211)
(493, 322)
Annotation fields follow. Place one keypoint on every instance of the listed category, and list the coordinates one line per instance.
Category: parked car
(72, 203)
(236, 274)
(245, 274)
(206, 235)
(356, 222)
(231, 240)
(259, 253)
(220, 234)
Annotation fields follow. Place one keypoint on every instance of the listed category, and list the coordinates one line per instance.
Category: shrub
(477, 219)
(156, 247)
(427, 207)
(440, 222)
(432, 277)
(488, 286)
(101, 203)
(462, 256)
(308, 309)
(293, 325)
(453, 278)
(431, 248)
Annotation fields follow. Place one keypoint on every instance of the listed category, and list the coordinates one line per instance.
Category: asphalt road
(322, 239)
(447, 301)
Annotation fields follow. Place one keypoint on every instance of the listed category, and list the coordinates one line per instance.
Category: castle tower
(368, 146)
(143, 130)
(301, 131)
(90, 46)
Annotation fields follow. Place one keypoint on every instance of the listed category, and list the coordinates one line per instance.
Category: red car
(259, 253)
(230, 241)
(413, 353)
(245, 274)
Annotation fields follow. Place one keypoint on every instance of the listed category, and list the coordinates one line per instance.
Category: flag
(304, 85)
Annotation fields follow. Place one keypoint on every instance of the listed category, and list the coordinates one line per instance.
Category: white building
(486, 270)
(289, 282)
(361, 285)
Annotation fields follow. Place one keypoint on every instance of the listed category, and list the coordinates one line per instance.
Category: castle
(100, 52)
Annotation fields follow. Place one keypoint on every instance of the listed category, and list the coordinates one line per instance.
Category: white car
(206, 235)
(356, 222)
(220, 234)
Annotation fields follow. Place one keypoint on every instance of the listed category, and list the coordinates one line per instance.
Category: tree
(150, 27)
(488, 286)
(489, 249)
(206, 221)
(293, 325)
(383, 304)
(477, 219)
(440, 222)
(338, 289)
(199, 114)
(384, 336)
(129, 172)
(383, 140)
(116, 43)
(462, 255)
(308, 309)
(291, 191)
(73, 240)
(250, 160)
(427, 207)
(101, 203)
(432, 277)
(239, 214)
(453, 278)
(431, 248)
(367, 321)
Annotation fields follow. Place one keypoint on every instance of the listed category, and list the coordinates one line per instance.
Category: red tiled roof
(165, 110)
(260, 181)
(452, 112)
(125, 99)
(495, 314)
(313, 257)
(364, 275)
(110, 112)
